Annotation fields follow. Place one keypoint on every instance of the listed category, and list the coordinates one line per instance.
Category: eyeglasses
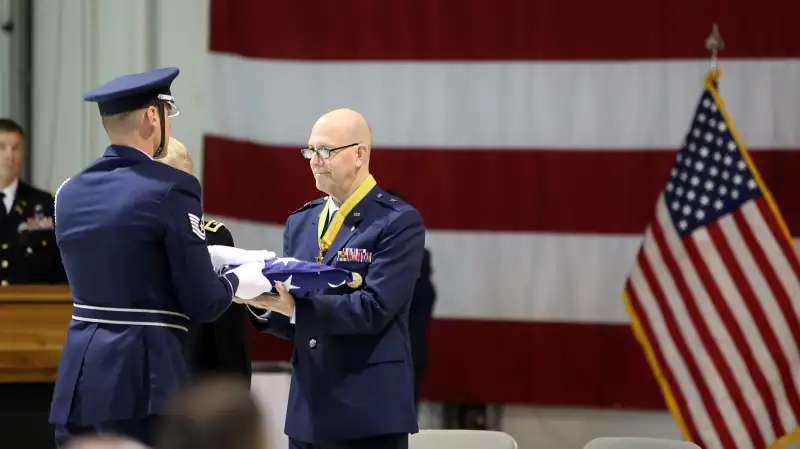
(169, 100)
(323, 153)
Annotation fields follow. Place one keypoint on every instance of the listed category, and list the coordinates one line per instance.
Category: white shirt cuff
(291, 320)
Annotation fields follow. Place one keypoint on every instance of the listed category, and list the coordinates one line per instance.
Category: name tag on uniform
(354, 255)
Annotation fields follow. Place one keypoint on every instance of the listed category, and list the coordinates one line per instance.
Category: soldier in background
(220, 347)
(459, 416)
(28, 251)
(419, 317)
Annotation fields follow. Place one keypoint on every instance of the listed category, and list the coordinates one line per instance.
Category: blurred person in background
(419, 318)
(352, 379)
(219, 347)
(28, 250)
(213, 413)
(177, 156)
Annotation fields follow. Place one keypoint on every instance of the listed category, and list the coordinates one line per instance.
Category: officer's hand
(282, 303)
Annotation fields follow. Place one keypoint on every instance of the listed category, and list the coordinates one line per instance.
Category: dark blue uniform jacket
(133, 245)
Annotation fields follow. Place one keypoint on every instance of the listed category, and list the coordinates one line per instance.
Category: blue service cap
(136, 91)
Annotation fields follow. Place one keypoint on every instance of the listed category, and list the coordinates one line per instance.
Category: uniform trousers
(141, 430)
(393, 441)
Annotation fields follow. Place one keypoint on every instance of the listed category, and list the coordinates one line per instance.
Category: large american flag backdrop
(534, 136)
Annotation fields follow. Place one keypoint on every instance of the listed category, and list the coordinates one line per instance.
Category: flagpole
(714, 43)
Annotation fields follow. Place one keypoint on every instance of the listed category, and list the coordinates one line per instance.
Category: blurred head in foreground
(177, 156)
(214, 413)
(103, 442)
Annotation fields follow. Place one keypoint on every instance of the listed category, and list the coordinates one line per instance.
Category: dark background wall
(24, 409)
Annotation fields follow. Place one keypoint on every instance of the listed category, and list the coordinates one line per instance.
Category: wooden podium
(33, 325)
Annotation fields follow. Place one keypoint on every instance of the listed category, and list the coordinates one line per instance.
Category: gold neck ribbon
(339, 216)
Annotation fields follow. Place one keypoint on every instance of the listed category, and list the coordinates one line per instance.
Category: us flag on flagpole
(714, 294)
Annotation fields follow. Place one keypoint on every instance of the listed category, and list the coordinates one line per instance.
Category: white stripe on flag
(721, 337)
(674, 360)
(677, 304)
(777, 321)
(776, 257)
(504, 105)
(591, 272)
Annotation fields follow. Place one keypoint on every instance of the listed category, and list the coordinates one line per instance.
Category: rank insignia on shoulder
(213, 225)
(310, 204)
(393, 201)
(356, 282)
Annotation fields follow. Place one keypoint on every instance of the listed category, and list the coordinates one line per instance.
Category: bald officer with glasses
(352, 380)
(133, 245)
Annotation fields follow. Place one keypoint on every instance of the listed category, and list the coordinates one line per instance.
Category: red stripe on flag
(592, 192)
(689, 358)
(501, 29)
(768, 270)
(478, 361)
(751, 302)
(783, 300)
(666, 370)
(772, 221)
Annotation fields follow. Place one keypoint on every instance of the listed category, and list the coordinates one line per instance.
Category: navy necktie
(327, 223)
(3, 211)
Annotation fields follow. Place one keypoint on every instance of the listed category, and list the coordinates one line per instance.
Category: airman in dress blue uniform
(352, 380)
(133, 245)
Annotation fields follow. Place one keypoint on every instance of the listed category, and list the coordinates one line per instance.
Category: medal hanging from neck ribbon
(326, 239)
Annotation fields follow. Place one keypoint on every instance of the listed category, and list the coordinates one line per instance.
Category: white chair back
(461, 439)
(638, 443)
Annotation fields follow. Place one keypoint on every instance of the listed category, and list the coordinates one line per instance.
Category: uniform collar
(11, 190)
(332, 206)
(126, 152)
